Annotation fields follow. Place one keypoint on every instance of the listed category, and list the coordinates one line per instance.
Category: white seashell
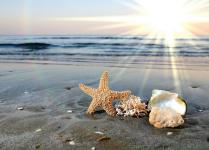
(165, 117)
(26, 92)
(200, 110)
(72, 143)
(169, 133)
(20, 108)
(93, 148)
(69, 111)
(38, 130)
(98, 132)
(165, 99)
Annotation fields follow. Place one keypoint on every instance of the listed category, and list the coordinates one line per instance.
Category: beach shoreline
(49, 92)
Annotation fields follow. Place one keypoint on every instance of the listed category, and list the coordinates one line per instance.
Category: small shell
(72, 143)
(69, 111)
(93, 148)
(99, 132)
(26, 92)
(169, 133)
(165, 99)
(20, 108)
(131, 106)
(38, 130)
(103, 138)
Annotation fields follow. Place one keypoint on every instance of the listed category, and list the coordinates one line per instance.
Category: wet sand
(46, 93)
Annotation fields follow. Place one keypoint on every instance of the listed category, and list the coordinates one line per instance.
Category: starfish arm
(88, 90)
(92, 107)
(120, 95)
(103, 84)
(108, 107)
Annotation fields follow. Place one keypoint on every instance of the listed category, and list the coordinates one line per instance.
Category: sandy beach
(41, 107)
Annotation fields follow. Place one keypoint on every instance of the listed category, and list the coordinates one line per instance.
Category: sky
(81, 17)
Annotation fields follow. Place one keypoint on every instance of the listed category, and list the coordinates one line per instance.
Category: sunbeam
(163, 20)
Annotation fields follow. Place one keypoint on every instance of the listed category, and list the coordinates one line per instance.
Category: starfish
(103, 96)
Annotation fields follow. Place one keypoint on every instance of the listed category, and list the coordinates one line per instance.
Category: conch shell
(132, 107)
(165, 117)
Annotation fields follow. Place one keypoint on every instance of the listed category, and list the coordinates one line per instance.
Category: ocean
(99, 49)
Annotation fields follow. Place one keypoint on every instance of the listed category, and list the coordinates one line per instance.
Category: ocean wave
(93, 37)
(95, 45)
(38, 46)
(113, 46)
(108, 54)
(116, 37)
(88, 44)
(31, 46)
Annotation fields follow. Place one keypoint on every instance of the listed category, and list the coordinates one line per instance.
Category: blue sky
(42, 16)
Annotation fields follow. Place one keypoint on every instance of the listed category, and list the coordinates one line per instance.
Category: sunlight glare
(164, 18)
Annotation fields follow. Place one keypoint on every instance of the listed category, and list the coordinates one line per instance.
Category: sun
(164, 18)
(164, 15)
